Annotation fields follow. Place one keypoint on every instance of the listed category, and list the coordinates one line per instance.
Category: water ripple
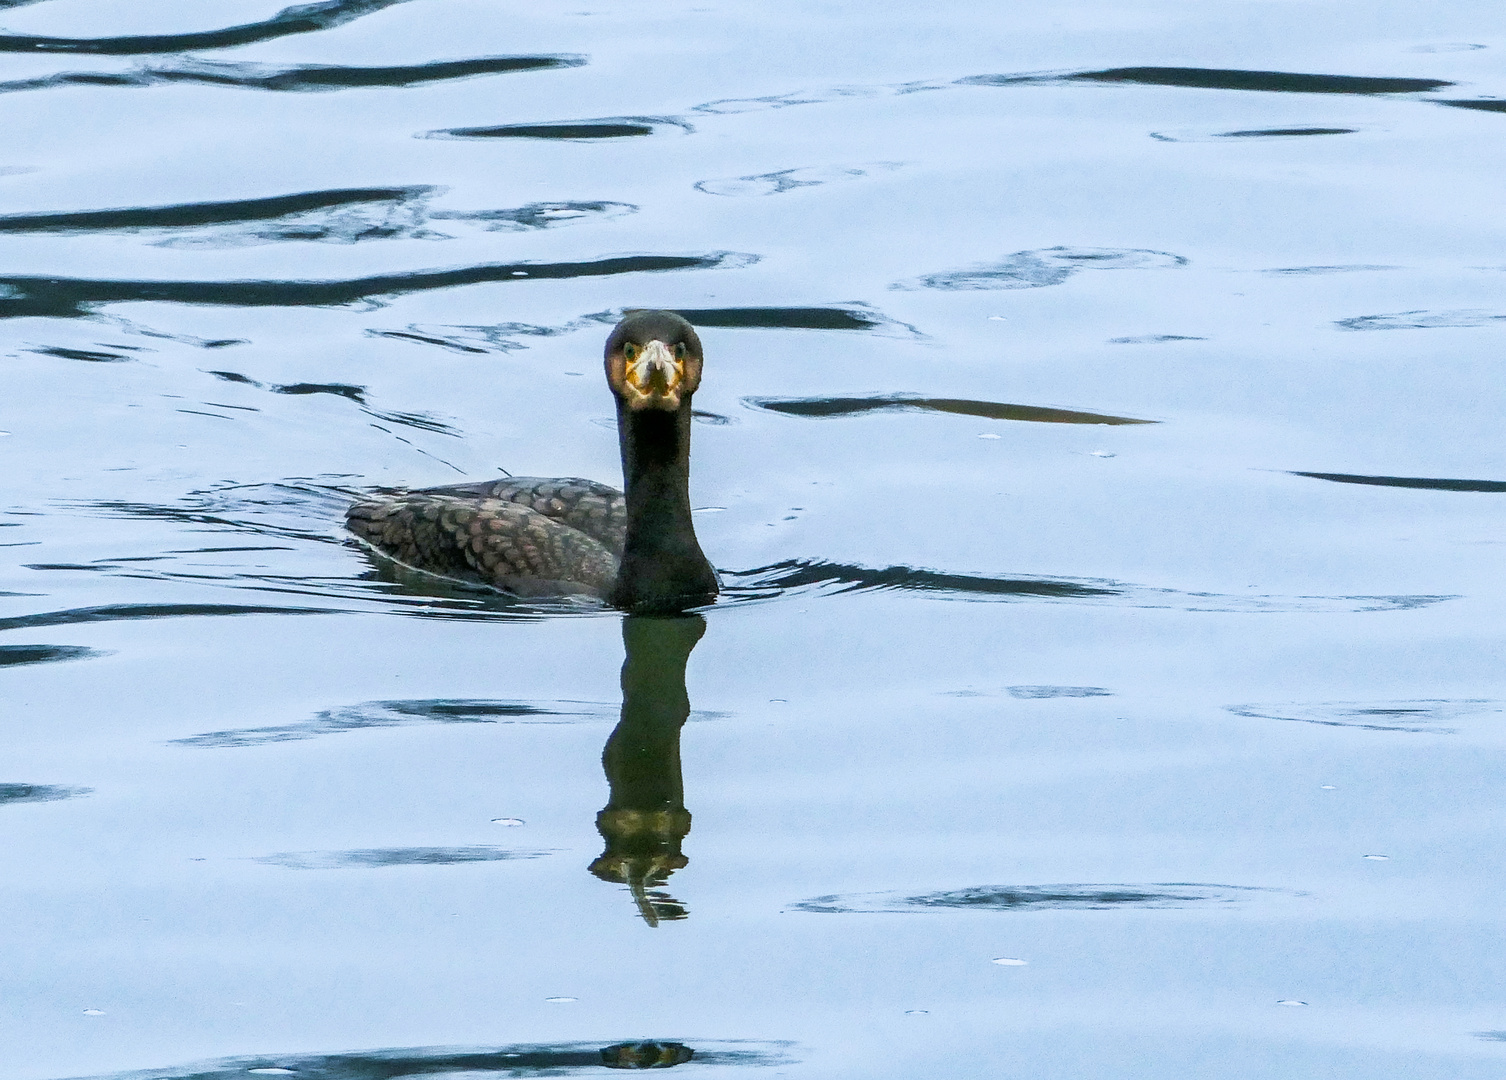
(299, 19)
(1159, 896)
(301, 78)
(76, 297)
(524, 1059)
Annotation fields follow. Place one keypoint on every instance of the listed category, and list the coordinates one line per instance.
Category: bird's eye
(680, 351)
(630, 351)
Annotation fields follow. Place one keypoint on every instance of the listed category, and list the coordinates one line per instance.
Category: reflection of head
(645, 819)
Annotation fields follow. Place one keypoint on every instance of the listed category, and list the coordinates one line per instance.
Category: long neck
(663, 568)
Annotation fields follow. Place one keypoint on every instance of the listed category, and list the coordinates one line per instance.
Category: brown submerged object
(634, 548)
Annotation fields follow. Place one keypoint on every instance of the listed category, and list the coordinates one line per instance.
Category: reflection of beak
(653, 381)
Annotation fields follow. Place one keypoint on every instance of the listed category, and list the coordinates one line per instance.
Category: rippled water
(1099, 444)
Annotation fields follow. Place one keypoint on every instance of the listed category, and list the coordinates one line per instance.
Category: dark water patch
(344, 216)
(34, 793)
(1033, 693)
(842, 578)
(418, 421)
(16, 655)
(776, 183)
(1482, 104)
(188, 215)
(1421, 320)
(88, 355)
(369, 858)
(524, 1059)
(1282, 133)
(784, 318)
(382, 714)
(1044, 267)
(828, 578)
(992, 410)
(701, 416)
(1423, 715)
(344, 390)
(123, 612)
(296, 79)
(611, 127)
(1492, 1036)
(425, 339)
(1298, 271)
(65, 297)
(233, 376)
(1428, 483)
(512, 336)
(1153, 339)
(1285, 82)
(64, 566)
(1159, 896)
(300, 19)
(539, 215)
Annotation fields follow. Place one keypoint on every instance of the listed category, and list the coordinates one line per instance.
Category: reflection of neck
(663, 568)
(645, 818)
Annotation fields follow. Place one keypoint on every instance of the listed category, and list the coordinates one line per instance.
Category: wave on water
(381, 714)
(1043, 267)
(992, 410)
(512, 336)
(1422, 320)
(299, 19)
(1423, 482)
(11, 794)
(341, 216)
(18, 655)
(1421, 715)
(76, 297)
(374, 858)
(306, 518)
(1038, 898)
(300, 78)
(520, 1059)
(793, 576)
(609, 127)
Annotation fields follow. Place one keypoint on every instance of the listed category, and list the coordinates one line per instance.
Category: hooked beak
(655, 379)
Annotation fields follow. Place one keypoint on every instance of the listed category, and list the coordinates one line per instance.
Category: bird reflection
(645, 818)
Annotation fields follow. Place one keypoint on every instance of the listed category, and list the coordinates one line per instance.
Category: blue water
(1200, 716)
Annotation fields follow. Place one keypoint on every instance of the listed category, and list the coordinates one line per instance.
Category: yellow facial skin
(653, 376)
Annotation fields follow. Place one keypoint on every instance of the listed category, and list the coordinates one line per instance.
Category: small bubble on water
(520, 273)
(1101, 453)
(270, 1072)
(998, 318)
(1291, 1002)
(917, 1012)
(1378, 858)
(990, 435)
(560, 1000)
(1329, 787)
(510, 822)
(1009, 961)
(94, 1012)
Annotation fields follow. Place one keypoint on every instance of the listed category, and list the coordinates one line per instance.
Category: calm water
(1101, 450)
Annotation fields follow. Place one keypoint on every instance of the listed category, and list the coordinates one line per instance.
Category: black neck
(663, 568)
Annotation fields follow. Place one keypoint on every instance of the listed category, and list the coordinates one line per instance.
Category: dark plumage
(635, 548)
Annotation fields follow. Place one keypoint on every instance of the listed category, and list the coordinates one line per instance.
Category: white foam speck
(94, 1012)
(1009, 961)
(990, 436)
